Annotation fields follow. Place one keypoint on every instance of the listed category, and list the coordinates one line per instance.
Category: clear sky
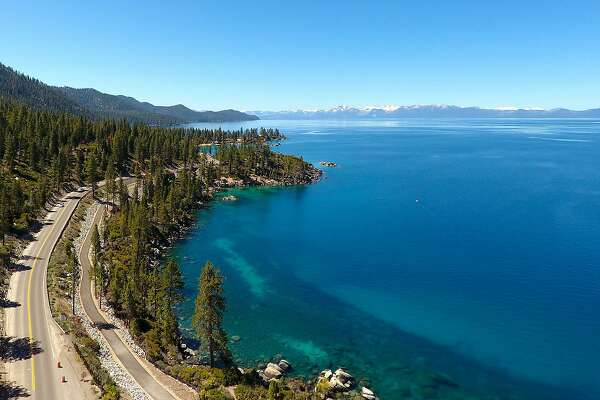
(274, 55)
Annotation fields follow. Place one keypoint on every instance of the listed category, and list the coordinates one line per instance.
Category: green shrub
(212, 394)
(212, 378)
(231, 376)
(89, 343)
(274, 390)
(323, 387)
(110, 392)
(245, 392)
(139, 326)
(189, 374)
(22, 223)
(152, 345)
(250, 378)
(206, 378)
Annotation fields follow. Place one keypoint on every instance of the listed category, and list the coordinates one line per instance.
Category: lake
(438, 253)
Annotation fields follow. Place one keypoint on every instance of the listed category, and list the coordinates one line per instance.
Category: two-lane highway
(31, 319)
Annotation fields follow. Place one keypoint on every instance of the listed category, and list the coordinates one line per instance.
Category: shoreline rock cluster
(275, 370)
(340, 381)
(328, 164)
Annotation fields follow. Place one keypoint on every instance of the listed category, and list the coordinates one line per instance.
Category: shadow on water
(399, 364)
(402, 362)
(15, 349)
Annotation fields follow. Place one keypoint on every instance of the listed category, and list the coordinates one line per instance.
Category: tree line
(42, 152)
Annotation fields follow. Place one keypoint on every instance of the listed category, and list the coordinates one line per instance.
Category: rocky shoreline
(327, 385)
(158, 249)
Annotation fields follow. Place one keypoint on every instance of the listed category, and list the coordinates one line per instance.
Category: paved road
(31, 318)
(119, 349)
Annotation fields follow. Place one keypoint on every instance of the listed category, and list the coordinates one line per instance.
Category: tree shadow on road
(15, 349)
(9, 390)
(19, 267)
(5, 303)
(104, 326)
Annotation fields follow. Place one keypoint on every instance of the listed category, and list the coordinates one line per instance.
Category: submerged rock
(284, 365)
(443, 380)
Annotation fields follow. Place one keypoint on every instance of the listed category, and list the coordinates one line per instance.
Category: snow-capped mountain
(425, 111)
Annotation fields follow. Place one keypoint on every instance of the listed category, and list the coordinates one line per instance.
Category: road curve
(122, 353)
(37, 370)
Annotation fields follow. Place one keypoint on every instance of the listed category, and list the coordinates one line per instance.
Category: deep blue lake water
(466, 247)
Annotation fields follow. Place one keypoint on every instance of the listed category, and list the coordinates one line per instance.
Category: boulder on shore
(273, 371)
(327, 374)
(338, 381)
(368, 394)
(343, 376)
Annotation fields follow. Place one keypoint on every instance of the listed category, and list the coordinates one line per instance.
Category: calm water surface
(467, 247)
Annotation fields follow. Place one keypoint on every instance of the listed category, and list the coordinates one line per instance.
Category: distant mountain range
(426, 111)
(95, 104)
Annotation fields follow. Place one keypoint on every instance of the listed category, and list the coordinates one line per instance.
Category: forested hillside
(30, 91)
(95, 104)
(41, 152)
(129, 108)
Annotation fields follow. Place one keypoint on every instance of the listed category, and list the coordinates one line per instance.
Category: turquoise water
(468, 247)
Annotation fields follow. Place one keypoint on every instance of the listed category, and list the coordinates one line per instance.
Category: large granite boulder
(338, 381)
(368, 394)
(344, 377)
(273, 371)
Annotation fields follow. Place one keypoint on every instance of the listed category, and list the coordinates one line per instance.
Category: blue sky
(273, 55)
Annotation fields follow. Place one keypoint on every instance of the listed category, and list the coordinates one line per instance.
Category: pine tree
(74, 267)
(5, 215)
(91, 172)
(9, 152)
(129, 299)
(172, 283)
(6, 253)
(169, 329)
(208, 313)
(109, 181)
(96, 258)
